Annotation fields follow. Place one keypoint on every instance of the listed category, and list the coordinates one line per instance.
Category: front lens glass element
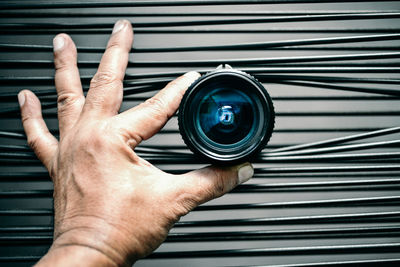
(226, 116)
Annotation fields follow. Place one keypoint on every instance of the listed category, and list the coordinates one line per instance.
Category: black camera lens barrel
(226, 116)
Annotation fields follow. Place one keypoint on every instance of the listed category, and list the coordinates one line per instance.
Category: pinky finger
(43, 143)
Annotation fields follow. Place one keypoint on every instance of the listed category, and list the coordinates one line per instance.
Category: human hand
(112, 207)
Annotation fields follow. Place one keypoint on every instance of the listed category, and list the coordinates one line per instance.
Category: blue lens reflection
(226, 116)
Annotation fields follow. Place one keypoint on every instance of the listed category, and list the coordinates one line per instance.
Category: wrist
(75, 255)
(93, 234)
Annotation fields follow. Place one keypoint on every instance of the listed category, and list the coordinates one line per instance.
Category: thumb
(211, 182)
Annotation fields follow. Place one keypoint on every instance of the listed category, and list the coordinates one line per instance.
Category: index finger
(145, 120)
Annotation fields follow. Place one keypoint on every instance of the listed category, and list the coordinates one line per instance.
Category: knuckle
(64, 63)
(155, 103)
(213, 185)
(68, 99)
(33, 142)
(114, 45)
(25, 118)
(102, 78)
(219, 187)
(28, 117)
(159, 108)
(117, 46)
(185, 202)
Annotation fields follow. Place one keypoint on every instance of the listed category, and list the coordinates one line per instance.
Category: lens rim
(231, 153)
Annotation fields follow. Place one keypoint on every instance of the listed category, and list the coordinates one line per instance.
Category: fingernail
(21, 98)
(58, 43)
(118, 26)
(245, 173)
(192, 75)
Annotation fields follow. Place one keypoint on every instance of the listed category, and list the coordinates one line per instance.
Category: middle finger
(106, 88)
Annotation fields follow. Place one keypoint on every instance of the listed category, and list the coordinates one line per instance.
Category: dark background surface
(304, 114)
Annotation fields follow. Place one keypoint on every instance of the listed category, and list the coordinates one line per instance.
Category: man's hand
(112, 207)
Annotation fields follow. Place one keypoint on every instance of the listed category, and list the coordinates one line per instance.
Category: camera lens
(226, 116)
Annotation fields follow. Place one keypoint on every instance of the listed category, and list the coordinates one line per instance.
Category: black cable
(193, 30)
(334, 149)
(209, 62)
(253, 252)
(346, 232)
(155, 3)
(40, 26)
(80, 14)
(239, 46)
